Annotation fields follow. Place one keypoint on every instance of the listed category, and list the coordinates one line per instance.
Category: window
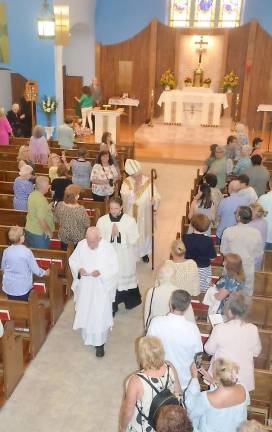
(205, 13)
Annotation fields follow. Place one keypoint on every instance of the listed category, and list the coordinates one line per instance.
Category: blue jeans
(37, 241)
(268, 246)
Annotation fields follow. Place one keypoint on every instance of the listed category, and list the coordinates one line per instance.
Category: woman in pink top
(38, 146)
(236, 340)
(5, 128)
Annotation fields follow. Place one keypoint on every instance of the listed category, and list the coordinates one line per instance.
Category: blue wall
(259, 10)
(29, 56)
(118, 20)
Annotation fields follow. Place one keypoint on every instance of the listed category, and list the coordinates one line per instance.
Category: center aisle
(66, 388)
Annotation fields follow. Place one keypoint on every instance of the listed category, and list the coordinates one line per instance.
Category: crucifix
(202, 48)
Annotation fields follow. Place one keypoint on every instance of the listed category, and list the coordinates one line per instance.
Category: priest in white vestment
(137, 202)
(121, 231)
(94, 267)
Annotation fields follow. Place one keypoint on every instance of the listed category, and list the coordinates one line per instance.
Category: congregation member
(66, 134)
(107, 144)
(219, 167)
(39, 220)
(181, 339)
(24, 157)
(246, 241)
(22, 187)
(241, 135)
(94, 267)
(38, 146)
(246, 191)
(155, 374)
(260, 223)
(266, 202)
(232, 279)
(60, 183)
(251, 426)
(258, 175)
(103, 177)
(244, 161)
(186, 276)
(81, 168)
(157, 301)
(137, 202)
(15, 120)
(208, 162)
(224, 406)
(54, 161)
(121, 231)
(227, 208)
(72, 217)
(86, 103)
(173, 418)
(236, 339)
(256, 147)
(216, 194)
(200, 248)
(202, 204)
(231, 149)
(5, 128)
(18, 266)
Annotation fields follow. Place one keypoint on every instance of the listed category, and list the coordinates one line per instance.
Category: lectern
(107, 121)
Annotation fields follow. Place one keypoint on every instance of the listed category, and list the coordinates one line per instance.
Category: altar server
(121, 231)
(94, 267)
(137, 202)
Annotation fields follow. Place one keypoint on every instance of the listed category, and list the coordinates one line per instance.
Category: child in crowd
(86, 103)
(200, 248)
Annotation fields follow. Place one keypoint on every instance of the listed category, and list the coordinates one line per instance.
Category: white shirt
(181, 340)
(266, 201)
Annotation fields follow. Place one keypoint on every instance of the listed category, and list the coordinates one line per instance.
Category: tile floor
(66, 388)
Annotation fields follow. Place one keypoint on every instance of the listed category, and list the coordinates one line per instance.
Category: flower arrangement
(188, 80)
(230, 81)
(168, 79)
(207, 81)
(49, 104)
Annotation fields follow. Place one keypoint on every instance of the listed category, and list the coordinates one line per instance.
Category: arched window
(205, 13)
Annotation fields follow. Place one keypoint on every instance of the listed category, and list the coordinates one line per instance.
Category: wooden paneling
(72, 88)
(17, 87)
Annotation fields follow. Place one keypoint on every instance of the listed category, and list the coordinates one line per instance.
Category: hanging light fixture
(46, 22)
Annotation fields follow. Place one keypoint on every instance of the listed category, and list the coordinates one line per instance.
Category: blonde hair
(50, 159)
(15, 233)
(150, 352)
(178, 248)
(234, 267)
(2, 112)
(259, 210)
(70, 194)
(21, 151)
(38, 132)
(251, 426)
(225, 372)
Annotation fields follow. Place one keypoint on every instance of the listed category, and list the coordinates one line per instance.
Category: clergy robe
(125, 246)
(94, 295)
(139, 206)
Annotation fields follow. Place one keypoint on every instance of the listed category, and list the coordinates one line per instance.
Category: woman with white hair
(5, 128)
(14, 119)
(22, 187)
(157, 300)
(244, 161)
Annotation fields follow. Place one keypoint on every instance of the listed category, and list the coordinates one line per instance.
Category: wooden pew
(261, 397)
(261, 312)
(263, 284)
(267, 263)
(33, 314)
(11, 359)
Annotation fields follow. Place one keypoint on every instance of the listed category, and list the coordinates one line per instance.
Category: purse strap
(150, 308)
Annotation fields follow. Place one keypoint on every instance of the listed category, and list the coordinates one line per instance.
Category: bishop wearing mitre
(137, 202)
(94, 267)
(121, 230)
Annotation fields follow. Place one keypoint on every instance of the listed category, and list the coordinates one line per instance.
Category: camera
(111, 182)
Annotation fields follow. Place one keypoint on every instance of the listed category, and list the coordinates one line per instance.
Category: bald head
(234, 186)
(93, 237)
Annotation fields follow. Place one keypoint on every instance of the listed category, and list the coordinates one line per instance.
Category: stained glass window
(180, 13)
(205, 13)
(230, 11)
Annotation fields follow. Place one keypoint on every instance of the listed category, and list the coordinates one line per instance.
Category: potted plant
(49, 106)
(207, 82)
(188, 82)
(230, 82)
(168, 80)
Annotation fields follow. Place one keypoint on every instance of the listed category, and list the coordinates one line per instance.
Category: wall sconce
(46, 22)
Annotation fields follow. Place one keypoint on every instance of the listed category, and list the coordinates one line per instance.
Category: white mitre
(132, 167)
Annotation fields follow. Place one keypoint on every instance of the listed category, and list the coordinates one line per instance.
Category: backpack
(162, 398)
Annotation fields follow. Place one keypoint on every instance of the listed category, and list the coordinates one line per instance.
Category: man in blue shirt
(227, 208)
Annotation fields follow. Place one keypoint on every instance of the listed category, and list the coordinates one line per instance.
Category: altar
(193, 106)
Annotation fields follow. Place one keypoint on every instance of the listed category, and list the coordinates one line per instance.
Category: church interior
(174, 78)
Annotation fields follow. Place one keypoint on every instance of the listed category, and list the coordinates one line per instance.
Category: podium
(107, 121)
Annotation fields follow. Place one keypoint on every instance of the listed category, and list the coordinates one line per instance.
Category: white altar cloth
(176, 102)
(124, 101)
